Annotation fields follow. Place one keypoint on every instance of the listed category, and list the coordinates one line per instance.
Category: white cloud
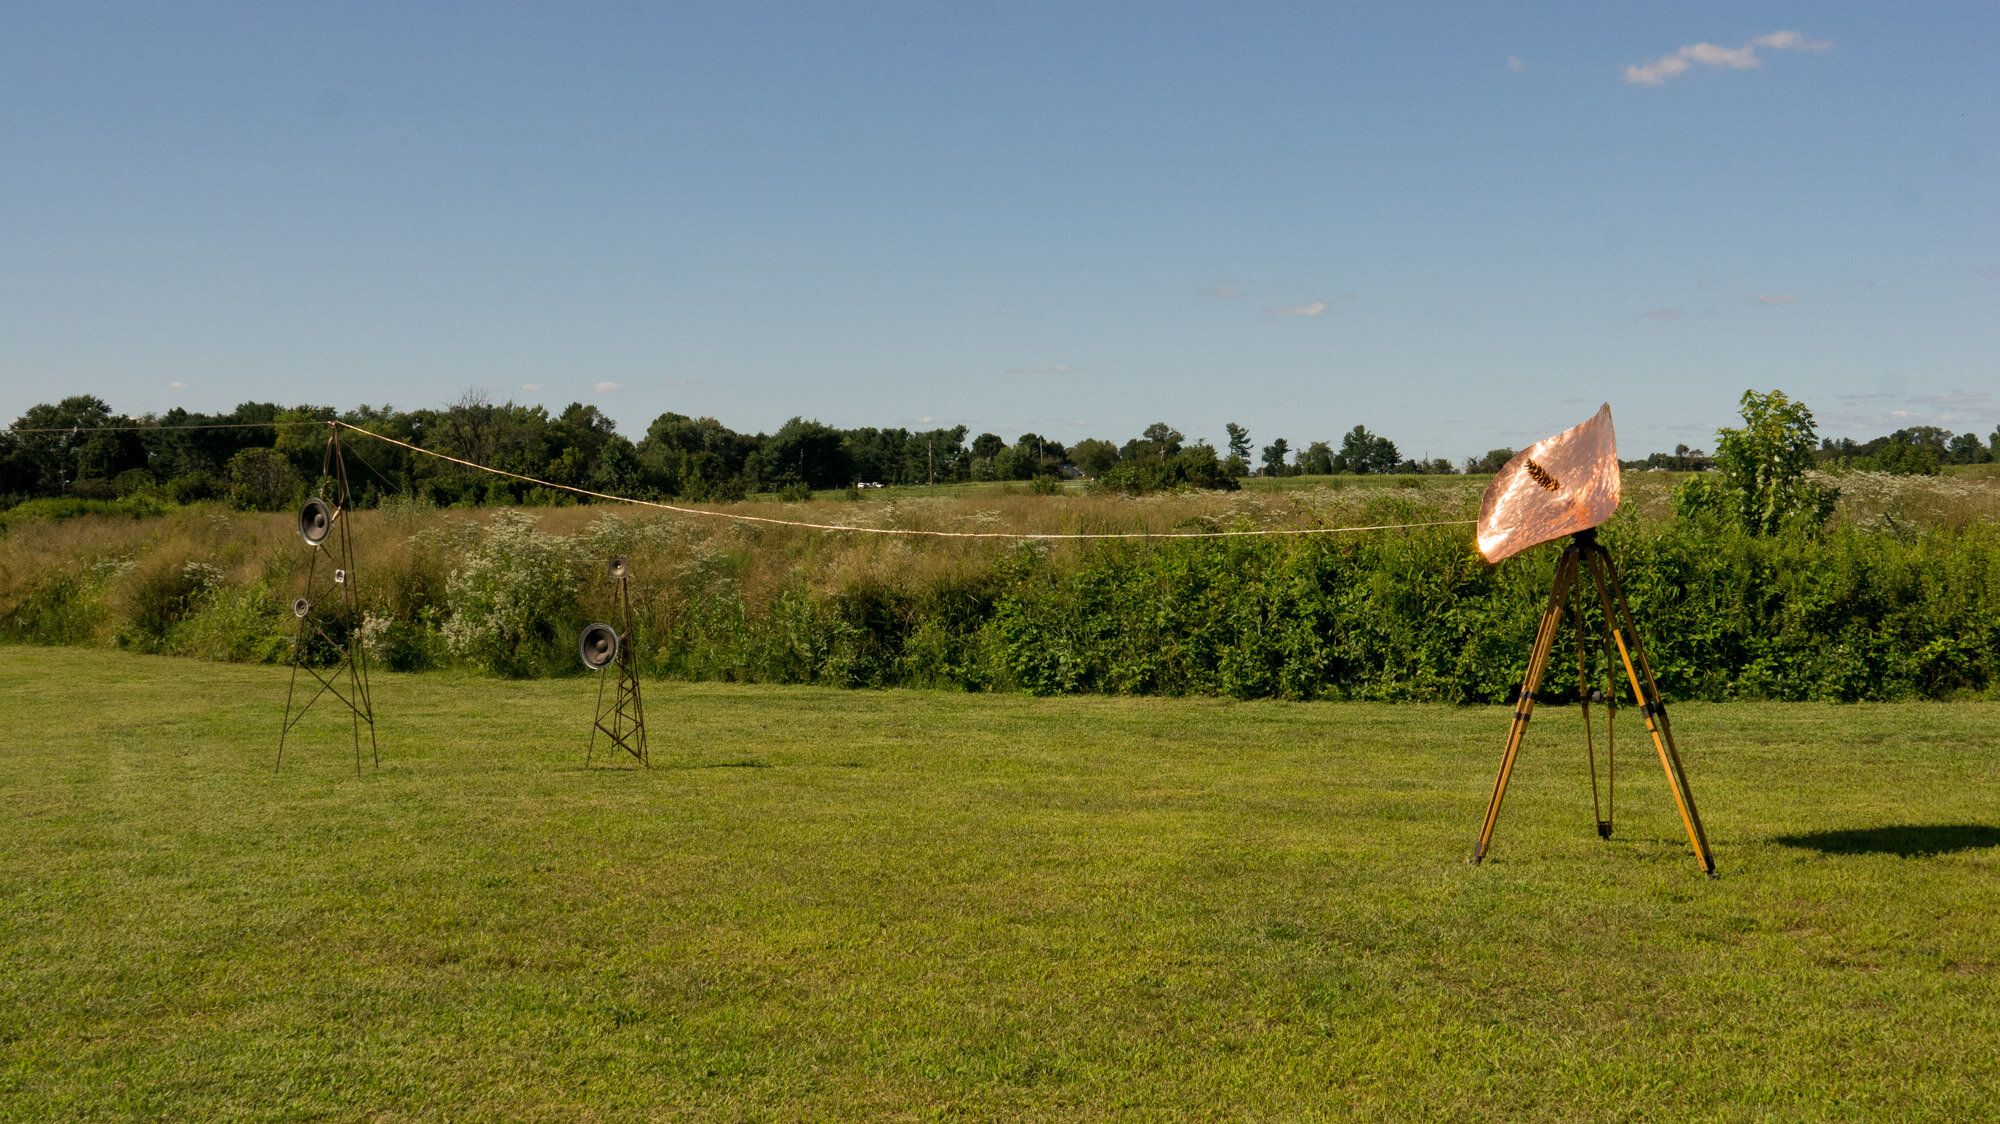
(1053, 369)
(1514, 63)
(1790, 41)
(1313, 309)
(531, 386)
(1775, 298)
(1657, 71)
(1720, 58)
(606, 387)
(1661, 314)
(177, 386)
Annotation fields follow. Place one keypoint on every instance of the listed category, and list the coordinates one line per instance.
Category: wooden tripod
(624, 721)
(1621, 648)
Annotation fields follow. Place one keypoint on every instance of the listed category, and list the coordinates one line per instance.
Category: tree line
(262, 455)
(79, 447)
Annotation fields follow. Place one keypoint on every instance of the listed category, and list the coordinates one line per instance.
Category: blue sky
(1460, 227)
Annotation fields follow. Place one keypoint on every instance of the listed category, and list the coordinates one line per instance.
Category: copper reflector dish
(1558, 486)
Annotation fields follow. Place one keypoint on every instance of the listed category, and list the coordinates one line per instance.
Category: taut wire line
(899, 530)
(80, 430)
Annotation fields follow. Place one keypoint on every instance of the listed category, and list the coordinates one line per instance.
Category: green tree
(1196, 467)
(697, 458)
(1159, 441)
(1239, 442)
(1967, 448)
(804, 452)
(1030, 456)
(1897, 455)
(50, 463)
(263, 480)
(1274, 457)
(1093, 456)
(1761, 468)
(1363, 452)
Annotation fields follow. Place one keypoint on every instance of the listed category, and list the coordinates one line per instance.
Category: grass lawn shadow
(1910, 841)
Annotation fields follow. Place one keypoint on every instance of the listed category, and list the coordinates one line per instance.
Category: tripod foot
(1603, 830)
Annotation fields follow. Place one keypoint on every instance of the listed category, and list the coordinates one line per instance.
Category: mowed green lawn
(845, 905)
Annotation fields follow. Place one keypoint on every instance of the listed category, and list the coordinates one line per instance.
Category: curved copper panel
(1558, 486)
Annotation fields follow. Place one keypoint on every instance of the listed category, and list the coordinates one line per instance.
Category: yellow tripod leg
(1589, 734)
(1524, 706)
(1626, 636)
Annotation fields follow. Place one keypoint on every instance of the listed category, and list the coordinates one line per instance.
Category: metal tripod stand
(347, 680)
(1620, 640)
(627, 712)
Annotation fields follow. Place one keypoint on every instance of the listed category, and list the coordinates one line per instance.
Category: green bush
(59, 608)
(242, 624)
(264, 480)
(193, 486)
(405, 644)
(1188, 469)
(1833, 613)
(158, 595)
(513, 601)
(56, 508)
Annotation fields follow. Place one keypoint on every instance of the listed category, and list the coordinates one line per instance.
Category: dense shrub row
(1847, 614)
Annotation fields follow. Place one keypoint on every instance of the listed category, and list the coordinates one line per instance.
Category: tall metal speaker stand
(347, 679)
(1621, 650)
(627, 712)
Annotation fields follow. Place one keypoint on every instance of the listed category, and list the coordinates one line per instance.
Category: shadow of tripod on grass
(1910, 841)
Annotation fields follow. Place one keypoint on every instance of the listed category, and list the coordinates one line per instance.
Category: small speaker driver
(315, 520)
(618, 567)
(598, 647)
(301, 607)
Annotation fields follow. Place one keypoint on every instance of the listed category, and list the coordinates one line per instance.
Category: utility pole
(930, 457)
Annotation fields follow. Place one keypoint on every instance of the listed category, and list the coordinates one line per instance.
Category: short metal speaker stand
(603, 647)
(330, 599)
(1622, 650)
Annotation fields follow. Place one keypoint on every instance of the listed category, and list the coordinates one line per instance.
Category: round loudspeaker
(599, 646)
(315, 520)
(340, 577)
(301, 607)
(618, 567)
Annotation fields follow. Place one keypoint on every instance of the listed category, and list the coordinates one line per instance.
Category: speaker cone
(301, 607)
(599, 646)
(618, 567)
(315, 520)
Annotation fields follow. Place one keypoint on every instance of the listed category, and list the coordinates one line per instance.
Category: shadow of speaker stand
(1909, 841)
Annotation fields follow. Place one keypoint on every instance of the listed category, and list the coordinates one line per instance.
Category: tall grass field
(937, 905)
(1897, 598)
